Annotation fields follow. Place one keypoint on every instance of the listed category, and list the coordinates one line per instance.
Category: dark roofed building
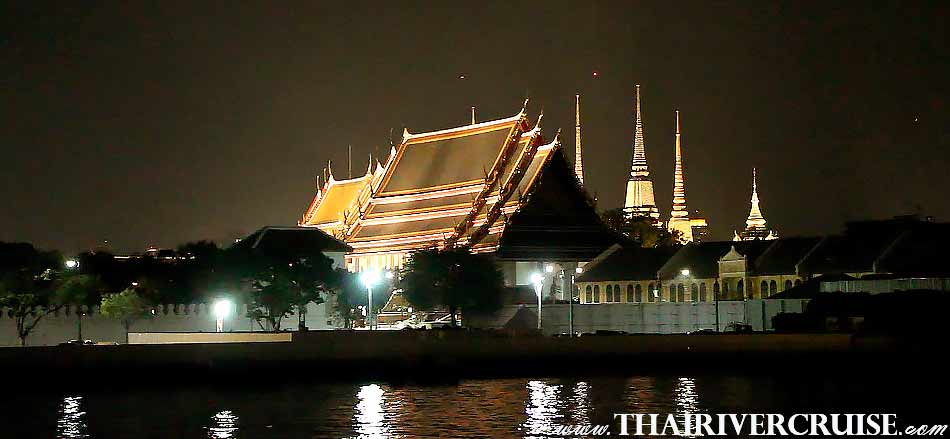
(273, 240)
(624, 273)
(904, 244)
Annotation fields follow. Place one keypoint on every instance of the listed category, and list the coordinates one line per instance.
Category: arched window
(590, 296)
(725, 288)
(740, 288)
(788, 284)
(617, 293)
(651, 289)
(610, 294)
(630, 292)
(672, 293)
(763, 289)
(716, 288)
(639, 294)
(596, 293)
(680, 293)
(773, 288)
(702, 292)
(693, 293)
(798, 282)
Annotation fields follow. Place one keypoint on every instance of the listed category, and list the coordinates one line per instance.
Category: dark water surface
(493, 408)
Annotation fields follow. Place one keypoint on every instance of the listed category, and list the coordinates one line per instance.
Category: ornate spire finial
(524, 107)
(578, 152)
(755, 225)
(330, 171)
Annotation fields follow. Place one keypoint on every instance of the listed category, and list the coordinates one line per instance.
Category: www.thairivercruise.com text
(759, 424)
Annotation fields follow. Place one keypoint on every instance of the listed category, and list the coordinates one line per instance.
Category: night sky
(158, 124)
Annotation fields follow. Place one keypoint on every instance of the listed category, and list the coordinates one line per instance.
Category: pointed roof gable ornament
(578, 153)
(330, 178)
(537, 124)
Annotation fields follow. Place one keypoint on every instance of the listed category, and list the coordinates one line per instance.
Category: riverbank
(447, 355)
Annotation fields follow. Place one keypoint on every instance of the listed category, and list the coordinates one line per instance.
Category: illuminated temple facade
(496, 186)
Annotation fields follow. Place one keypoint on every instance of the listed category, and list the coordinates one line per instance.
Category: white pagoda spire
(578, 160)
(639, 199)
(679, 217)
(755, 227)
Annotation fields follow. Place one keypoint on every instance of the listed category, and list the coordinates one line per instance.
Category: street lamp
(570, 305)
(221, 309)
(538, 280)
(72, 264)
(369, 278)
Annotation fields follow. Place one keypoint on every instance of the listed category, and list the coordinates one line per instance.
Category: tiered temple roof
(458, 186)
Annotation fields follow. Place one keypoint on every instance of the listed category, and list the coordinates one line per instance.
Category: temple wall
(59, 327)
(652, 318)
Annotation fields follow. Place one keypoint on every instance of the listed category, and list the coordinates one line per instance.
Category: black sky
(166, 122)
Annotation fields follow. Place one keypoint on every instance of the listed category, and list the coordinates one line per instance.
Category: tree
(127, 306)
(453, 278)
(641, 229)
(26, 285)
(279, 288)
(79, 290)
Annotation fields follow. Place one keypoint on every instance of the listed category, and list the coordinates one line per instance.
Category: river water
(495, 408)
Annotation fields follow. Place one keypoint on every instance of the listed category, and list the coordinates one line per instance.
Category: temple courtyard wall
(647, 318)
(56, 328)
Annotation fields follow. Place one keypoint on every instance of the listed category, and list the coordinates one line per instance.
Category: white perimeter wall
(57, 328)
(656, 318)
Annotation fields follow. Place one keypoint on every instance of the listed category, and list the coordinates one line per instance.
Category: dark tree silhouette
(454, 279)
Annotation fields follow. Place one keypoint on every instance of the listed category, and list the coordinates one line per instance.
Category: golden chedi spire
(679, 217)
(639, 200)
(578, 159)
(755, 225)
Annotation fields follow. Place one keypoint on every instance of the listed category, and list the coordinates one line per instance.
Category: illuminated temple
(495, 186)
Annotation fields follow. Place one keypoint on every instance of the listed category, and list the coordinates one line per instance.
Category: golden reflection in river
(686, 396)
(543, 407)
(71, 423)
(224, 425)
(370, 415)
(581, 401)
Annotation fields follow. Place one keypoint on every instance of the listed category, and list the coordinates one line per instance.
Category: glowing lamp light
(390, 275)
(72, 263)
(578, 270)
(222, 308)
(370, 278)
(685, 272)
(548, 268)
(595, 74)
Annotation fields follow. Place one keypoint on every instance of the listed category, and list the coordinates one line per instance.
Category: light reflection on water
(502, 408)
(71, 423)
(224, 425)
(370, 417)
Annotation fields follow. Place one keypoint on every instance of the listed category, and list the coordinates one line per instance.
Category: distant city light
(596, 73)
